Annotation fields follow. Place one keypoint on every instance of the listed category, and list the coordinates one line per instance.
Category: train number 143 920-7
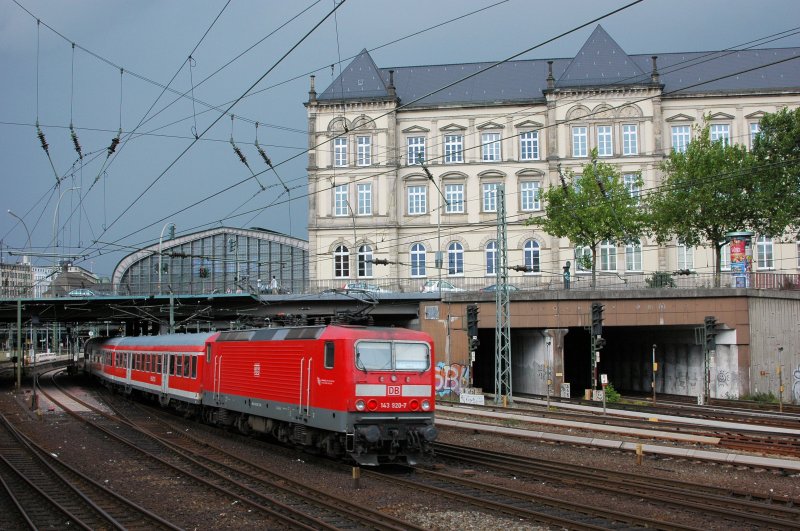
(393, 405)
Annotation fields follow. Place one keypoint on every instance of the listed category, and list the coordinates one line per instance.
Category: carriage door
(304, 404)
(164, 372)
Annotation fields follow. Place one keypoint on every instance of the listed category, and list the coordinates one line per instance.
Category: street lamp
(55, 234)
(28, 243)
(160, 242)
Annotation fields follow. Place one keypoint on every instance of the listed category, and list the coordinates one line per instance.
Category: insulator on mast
(239, 153)
(75, 141)
(114, 143)
(263, 155)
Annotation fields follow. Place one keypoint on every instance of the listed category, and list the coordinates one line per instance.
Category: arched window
(341, 262)
(531, 254)
(455, 259)
(365, 261)
(417, 260)
(491, 258)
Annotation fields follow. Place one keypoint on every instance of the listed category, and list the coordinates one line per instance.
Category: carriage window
(187, 367)
(178, 364)
(171, 364)
(329, 355)
(194, 366)
(411, 356)
(208, 353)
(374, 355)
(159, 366)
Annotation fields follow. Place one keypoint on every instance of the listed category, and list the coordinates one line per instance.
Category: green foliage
(591, 207)
(707, 192)
(660, 279)
(767, 398)
(611, 394)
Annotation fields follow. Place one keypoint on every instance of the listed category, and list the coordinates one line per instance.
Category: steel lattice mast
(502, 334)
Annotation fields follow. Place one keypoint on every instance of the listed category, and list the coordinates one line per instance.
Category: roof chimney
(312, 94)
(390, 88)
(654, 77)
(551, 81)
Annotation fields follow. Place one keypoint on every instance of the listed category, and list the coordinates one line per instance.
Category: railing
(537, 282)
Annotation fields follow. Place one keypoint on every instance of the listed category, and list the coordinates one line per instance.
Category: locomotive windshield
(392, 355)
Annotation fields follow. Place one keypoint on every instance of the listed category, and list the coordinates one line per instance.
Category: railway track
(44, 493)
(737, 507)
(279, 499)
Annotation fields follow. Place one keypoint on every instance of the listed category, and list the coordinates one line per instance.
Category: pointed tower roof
(601, 62)
(360, 79)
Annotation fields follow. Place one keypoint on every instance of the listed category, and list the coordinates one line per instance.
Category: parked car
(435, 286)
(81, 292)
(493, 288)
(363, 286)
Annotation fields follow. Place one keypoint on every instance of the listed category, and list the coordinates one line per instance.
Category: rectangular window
(364, 154)
(608, 256)
(685, 257)
(490, 197)
(681, 136)
(365, 199)
(529, 195)
(417, 199)
(633, 184)
(579, 146)
(194, 366)
(725, 257)
(340, 200)
(720, 132)
(454, 193)
(529, 145)
(755, 128)
(630, 139)
(605, 143)
(453, 148)
(416, 150)
(329, 354)
(764, 253)
(490, 147)
(633, 257)
(340, 151)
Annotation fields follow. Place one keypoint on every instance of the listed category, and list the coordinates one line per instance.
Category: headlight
(414, 405)
(426, 405)
(360, 405)
(372, 405)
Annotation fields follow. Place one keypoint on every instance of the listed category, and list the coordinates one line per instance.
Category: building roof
(601, 62)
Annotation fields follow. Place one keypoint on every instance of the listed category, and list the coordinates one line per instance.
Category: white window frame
(633, 184)
(755, 128)
(416, 150)
(364, 261)
(341, 262)
(681, 136)
(633, 257)
(685, 257)
(532, 256)
(417, 200)
(454, 193)
(529, 145)
(608, 256)
(364, 191)
(725, 257)
(583, 251)
(530, 196)
(455, 259)
(489, 194)
(340, 151)
(765, 254)
(340, 194)
(418, 255)
(720, 132)
(363, 150)
(490, 254)
(453, 149)
(580, 141)
(630, 139)
(491, 148)
(605, 141)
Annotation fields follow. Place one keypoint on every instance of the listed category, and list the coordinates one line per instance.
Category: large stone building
(476, 126)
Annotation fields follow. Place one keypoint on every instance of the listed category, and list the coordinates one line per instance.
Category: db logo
(394, 390)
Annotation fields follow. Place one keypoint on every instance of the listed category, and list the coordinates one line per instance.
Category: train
(363, 392)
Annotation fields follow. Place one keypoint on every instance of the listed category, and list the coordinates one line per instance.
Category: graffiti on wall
(796, 386)
(451, 379)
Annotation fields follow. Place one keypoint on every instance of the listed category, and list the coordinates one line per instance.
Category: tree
(777, 157)
(706, 192)
(590, 208)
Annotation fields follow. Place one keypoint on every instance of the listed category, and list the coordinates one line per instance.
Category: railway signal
(597, 319)
(472, 327)
(710, 324)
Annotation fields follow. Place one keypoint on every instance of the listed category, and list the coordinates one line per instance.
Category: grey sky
(152, 39)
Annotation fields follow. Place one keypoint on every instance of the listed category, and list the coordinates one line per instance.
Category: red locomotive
(366, 392)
